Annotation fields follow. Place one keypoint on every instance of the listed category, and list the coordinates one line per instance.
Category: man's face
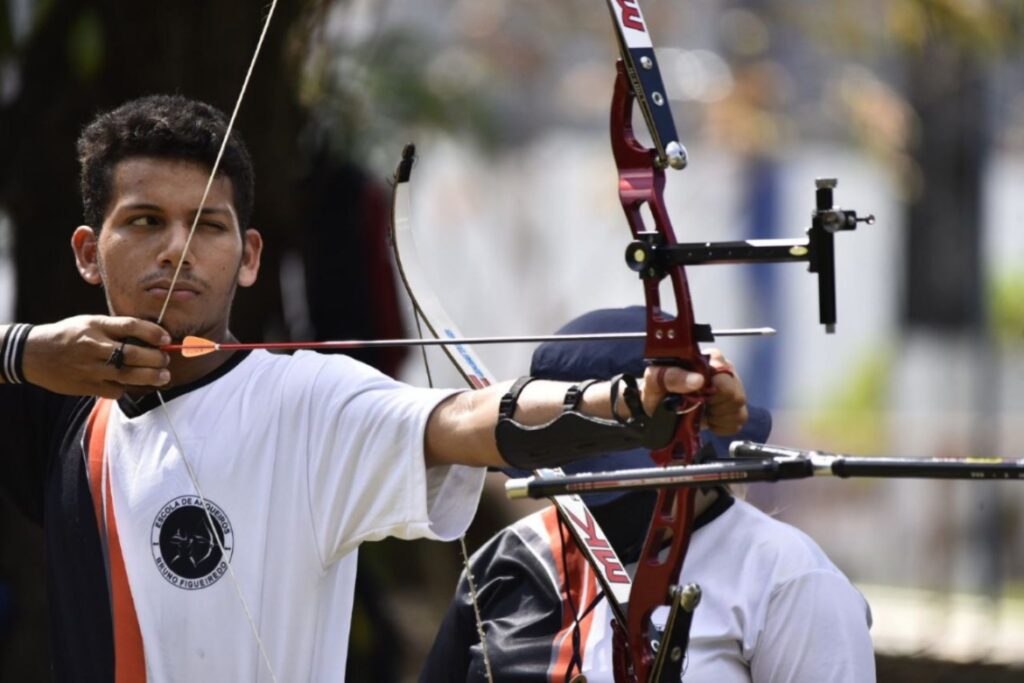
(145, 230)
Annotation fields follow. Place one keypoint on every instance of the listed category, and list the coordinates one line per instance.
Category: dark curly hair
(168, 126)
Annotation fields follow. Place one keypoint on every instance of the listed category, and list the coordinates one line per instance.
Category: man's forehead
(155, 180)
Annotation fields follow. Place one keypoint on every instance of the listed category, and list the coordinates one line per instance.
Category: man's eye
(143, 220)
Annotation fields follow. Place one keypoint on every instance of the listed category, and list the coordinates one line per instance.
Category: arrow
(193, 347)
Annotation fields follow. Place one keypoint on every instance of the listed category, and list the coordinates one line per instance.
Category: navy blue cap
(578, 361)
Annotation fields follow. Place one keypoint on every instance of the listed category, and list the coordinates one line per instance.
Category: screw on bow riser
(644, 255)
(831, 217)
(676, 155)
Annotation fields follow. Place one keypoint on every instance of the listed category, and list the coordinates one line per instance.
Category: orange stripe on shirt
(129, 658)
(580, 584)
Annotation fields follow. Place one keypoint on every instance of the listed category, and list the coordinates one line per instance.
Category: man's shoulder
(526, 549)
(530, 538)
(773, 544)
(529, 533)
(304, 368)
(40, 428)
(20, 400)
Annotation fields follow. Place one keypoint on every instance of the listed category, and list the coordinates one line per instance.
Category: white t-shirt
(774, 608)
(300, 458)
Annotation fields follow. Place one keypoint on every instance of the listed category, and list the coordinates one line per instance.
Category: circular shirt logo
(188, 552)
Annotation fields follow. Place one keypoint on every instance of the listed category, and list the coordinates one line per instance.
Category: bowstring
(163, 311)
(216, 163)
(220, 542)
(418, 317)
(463, 550)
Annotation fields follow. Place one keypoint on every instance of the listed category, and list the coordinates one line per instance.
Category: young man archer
(202, 516)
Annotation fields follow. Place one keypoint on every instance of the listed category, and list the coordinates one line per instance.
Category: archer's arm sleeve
(31, 420)
(366, 471)
(521, 612)
(816, 629)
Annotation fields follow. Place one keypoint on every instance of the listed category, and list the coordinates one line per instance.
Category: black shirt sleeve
(35, 423)
(44, 475)
(520, 610)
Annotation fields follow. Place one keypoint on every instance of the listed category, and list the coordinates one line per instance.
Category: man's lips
(182, 292)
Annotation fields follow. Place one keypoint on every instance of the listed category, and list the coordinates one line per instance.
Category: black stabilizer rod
(753, 462)
(839, 465)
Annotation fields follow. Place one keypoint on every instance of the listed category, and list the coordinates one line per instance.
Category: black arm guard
(573, 435)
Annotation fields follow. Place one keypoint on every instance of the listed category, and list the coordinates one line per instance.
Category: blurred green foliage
(853, 417)
(86, 46)
(1007, 309)
(983, 26)
(362, 93)
(979, 26)
(6, 34)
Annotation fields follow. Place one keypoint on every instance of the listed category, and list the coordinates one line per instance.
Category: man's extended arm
(72, 357)
(461, 429)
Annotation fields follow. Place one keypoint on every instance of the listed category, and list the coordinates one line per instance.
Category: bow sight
(651, 257)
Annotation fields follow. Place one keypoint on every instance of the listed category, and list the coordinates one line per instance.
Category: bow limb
(584, 529)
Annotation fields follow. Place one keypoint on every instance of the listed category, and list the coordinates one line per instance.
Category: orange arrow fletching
(193, 347)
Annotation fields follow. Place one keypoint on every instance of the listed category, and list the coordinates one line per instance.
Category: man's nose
(176, 238)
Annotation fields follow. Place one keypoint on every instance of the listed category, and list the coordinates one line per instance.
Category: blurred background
(916, 106)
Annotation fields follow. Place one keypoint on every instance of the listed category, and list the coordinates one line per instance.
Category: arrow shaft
(376, 343)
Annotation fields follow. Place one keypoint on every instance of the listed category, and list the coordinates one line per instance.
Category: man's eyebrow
(139, 207)
(142, 206)
(213, 209)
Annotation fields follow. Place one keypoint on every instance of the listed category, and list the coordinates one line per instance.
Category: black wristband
(12, 353)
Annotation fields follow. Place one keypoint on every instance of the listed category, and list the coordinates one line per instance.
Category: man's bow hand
(725, 403)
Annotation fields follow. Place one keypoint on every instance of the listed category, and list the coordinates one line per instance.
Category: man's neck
(185, 371)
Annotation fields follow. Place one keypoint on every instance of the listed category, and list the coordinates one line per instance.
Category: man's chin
(178, 336)
(179, 332)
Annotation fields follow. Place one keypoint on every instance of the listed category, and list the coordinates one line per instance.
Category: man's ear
(252, 247)
(85, 245)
